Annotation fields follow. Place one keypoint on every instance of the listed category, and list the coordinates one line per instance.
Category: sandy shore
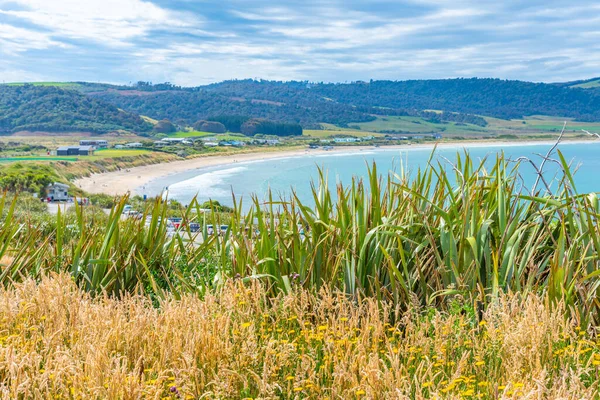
(124, 181)
(121, 182)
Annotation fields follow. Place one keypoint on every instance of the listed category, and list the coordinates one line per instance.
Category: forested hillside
(489, 97)
(186, 107)
(52, 109)
(93, 107)
(460, 100)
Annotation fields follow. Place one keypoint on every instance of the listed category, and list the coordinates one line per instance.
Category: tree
(255, 126)
(210, 126)
(165, 126)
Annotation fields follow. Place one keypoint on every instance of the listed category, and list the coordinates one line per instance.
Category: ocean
(280, 175)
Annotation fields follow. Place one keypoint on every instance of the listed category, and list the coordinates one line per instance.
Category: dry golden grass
(57, 342)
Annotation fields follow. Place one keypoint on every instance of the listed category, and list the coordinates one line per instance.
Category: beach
(128, 181)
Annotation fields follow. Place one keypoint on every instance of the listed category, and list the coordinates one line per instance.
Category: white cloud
(14, 40)
(336, 40)
(112, 22)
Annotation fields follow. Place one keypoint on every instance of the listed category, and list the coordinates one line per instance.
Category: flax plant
(469, 229)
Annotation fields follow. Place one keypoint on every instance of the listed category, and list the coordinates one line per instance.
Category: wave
(206, 185)
(355, 154)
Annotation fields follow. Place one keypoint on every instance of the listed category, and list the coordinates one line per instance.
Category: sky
(195, 42)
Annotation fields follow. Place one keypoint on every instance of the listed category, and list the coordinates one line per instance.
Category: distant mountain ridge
(102, 107)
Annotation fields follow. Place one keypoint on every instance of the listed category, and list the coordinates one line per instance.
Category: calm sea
(282, 174)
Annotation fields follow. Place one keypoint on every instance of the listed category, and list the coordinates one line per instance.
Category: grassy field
(98, 154)
(588, 85)
(540, 124)
(62, 85)
(534, 125)
(35, 158)
(114, 153)
(53, 141)
(418, 125)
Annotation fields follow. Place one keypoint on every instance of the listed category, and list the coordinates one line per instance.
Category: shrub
(165, 126)
(210, 126)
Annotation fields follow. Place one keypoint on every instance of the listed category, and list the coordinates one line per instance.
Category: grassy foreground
(58, 342)
(450, 282)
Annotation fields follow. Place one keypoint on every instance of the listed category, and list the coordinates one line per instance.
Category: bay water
(280, 175)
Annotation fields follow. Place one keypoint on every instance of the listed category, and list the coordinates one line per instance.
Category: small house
(85, 150)
(75, 151)
(58, 192)
(134, 145)
(99, 144)
(173, 140)
(346, 139)
(63, 151)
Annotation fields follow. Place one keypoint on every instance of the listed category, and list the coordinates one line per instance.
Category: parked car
(176, 222)
(194, 227)
(132, 214)
(170, 226)
(210, 230)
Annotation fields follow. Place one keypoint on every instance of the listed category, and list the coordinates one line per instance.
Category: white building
(134, 145)
(99, 144)
(173, 140)
(346, 140)
(58, 192)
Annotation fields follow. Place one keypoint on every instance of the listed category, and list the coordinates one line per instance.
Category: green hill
(383, 106)
(458, 100)
(52, 109)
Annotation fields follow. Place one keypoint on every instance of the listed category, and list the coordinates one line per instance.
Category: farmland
(418, 125)
(528, 127)
(590, 84)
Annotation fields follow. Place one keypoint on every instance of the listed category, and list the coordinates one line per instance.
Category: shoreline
(128, 181)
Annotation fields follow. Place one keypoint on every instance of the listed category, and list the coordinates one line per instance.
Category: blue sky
(193, 42)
